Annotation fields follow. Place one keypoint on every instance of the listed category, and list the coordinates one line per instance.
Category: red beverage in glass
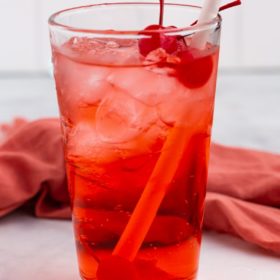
(136, 113)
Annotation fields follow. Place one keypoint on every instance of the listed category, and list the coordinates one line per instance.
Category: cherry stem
(230, 5)
(161, 12)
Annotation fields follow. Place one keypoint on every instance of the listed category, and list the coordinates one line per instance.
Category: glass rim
(191, 28)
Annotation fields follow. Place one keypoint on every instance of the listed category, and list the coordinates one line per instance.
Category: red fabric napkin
(243, 196)
(32, 167)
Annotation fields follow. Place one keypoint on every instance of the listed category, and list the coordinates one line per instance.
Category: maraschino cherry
(194, 72)
(157, 39)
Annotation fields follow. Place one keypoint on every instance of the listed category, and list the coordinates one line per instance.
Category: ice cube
(152, 140)
(144, 84)
(188, 110)
(84, 143)
(82, 45)
(120, 117)
(170, 111)
(123, 56)
(82, 83)
(79, 86)
(103, 51)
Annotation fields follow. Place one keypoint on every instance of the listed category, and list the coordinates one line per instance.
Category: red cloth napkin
(32, 167)
(243, 196)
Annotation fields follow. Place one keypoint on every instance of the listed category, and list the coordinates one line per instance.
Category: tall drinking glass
(136, 108)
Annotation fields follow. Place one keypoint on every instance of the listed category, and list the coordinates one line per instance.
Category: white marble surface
(37, 249)
(247, 114)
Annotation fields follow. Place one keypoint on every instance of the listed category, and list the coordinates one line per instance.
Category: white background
(250, 39)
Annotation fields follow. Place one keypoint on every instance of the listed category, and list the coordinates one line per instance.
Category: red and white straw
(209, 11)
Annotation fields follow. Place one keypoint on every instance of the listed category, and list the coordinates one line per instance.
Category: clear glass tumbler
(136, 106)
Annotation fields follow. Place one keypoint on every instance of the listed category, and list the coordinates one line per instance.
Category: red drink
(133, 118)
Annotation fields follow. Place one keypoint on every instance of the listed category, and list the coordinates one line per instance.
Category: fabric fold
(32, 166)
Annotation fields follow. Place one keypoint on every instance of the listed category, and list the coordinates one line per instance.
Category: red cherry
(146, 45)
(194, 72)
(157, 40)
(169, 43)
